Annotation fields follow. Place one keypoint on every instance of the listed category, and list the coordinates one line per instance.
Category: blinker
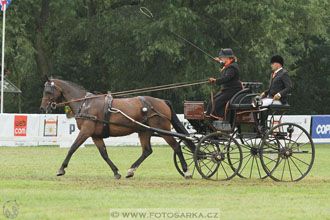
(48, 90)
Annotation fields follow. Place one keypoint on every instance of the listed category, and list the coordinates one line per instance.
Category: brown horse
(157, 114)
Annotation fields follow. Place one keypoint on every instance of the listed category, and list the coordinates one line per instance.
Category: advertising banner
(321, 128)
(20, 125)
(57, 129)
(50, 126)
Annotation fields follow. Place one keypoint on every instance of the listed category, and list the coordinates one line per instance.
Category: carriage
(240, 145)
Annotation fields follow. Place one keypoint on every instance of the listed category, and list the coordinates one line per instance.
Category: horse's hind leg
(146, 151)
(103, 151)
(177, 149)
(79, 141)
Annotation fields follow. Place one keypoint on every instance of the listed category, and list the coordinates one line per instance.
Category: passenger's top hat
(227, 52)
(277, 59)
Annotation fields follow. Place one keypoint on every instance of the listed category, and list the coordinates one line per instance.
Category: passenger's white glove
(277, 96)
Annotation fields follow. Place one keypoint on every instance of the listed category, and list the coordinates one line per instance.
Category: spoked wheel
(218, 156)
(291, 148)
(251, 165)
(188, 157)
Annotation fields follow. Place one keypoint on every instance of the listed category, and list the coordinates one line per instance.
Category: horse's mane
(73, 84)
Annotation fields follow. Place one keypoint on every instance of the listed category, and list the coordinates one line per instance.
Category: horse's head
(50, 96)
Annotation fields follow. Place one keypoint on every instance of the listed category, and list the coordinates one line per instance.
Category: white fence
(50, 129)
(56, 129)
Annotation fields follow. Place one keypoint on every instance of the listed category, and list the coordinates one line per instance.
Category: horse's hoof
(187, 174)
(60, 173)
(187, 177)
(130, 172)
(129, 175)
(117, 176)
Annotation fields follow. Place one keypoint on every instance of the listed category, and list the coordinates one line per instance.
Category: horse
(141, 110)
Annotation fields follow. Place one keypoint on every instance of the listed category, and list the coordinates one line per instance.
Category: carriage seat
(284, 107)
(242, 99)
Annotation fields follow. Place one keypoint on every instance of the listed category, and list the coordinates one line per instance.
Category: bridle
(49, 88)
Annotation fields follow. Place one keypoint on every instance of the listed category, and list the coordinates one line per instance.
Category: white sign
(56, 129)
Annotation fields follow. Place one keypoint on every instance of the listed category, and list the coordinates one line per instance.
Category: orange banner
(20, 125)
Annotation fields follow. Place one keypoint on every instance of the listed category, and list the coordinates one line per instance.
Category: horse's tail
(178, 126)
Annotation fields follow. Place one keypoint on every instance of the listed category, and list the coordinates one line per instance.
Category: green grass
(88, 190)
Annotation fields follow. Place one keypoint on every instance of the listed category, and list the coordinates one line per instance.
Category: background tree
(109, 46)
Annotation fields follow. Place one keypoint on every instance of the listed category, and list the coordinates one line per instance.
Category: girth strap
(106, 129)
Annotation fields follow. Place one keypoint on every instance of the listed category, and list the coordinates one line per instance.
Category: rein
(136, 91)
(212, 100)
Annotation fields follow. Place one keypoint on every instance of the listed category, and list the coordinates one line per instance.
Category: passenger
(230, 81)
(279, 86)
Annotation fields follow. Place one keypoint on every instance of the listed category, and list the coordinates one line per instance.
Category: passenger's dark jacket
(281, 83)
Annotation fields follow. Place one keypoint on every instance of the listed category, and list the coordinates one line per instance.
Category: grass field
(88, 190)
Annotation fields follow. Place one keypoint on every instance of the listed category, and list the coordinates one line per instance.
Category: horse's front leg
(103, 151)
(77, 143)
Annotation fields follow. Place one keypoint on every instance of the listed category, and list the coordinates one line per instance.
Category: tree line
(108, 45)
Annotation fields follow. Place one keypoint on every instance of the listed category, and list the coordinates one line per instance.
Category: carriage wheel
(212, 156)
(188, 157)
(294, 150)
(251, 164)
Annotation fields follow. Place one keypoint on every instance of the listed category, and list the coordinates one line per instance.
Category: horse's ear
(47, 78)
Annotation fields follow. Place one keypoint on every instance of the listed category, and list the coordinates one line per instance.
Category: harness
(145, 105)
(107, 102)
(82, 112)
(108, 109)
(50, 90)
(85, 103)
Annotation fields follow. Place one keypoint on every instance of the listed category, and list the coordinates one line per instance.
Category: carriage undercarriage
(241, 146)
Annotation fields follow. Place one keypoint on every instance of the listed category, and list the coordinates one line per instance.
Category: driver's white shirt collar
(278, 70)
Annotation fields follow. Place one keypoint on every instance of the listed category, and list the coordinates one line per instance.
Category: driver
(230, 81)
